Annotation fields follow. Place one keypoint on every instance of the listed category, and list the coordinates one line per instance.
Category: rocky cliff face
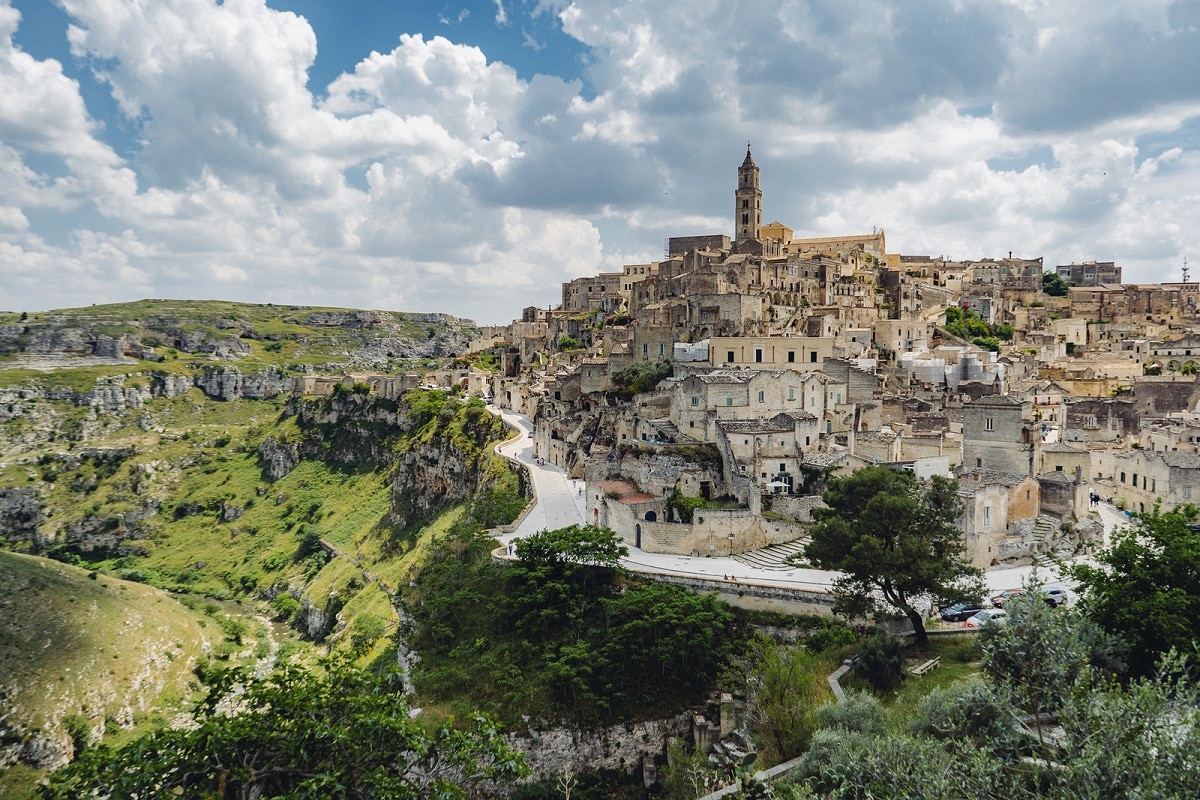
(229, 383)
(20, 514)
(444, 464)
(277, 458)
(444, 469)
(352, 429)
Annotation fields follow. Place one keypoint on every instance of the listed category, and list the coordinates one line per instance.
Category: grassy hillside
(178, 337)
(171, 493)
(83, 654)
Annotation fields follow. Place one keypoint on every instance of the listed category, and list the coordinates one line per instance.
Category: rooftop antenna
(1185, 269)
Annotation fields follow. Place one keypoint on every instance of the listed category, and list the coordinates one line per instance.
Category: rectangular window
(978, 463)
(791, 394)
(695, 401)
(1187, 493)
(758, 356)
(1058, 468)
(806, 441)
(728, 356)
(728, 401)
(812, 357)
(987, 516)
(791, 356)
(661, 349)
(645, 350)
(1122, 477)
(761, 396)
(783, 467)
(987, 424)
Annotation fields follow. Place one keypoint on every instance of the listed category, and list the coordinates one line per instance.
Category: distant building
(1090, 273)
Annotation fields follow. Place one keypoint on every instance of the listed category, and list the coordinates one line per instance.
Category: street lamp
(731, 545)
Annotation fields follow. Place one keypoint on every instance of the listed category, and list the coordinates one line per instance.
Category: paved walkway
(560, 502)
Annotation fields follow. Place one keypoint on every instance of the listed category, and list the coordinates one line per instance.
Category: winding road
(560, 502)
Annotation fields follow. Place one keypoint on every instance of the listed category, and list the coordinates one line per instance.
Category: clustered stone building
(789, 360)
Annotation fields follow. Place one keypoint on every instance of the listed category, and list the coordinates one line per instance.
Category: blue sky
(470, 157)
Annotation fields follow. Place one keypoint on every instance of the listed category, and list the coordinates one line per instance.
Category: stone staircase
(1045, 526)
(773, 557)
(668, 431)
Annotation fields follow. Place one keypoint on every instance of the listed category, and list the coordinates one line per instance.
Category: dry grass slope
(96, 650)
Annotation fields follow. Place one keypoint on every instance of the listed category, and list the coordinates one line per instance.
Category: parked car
(1054, 595)
(960, 612)
(988, 616)
(998, 600)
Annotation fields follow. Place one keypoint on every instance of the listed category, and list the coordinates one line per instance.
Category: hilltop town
(320, 466)
(706, 397)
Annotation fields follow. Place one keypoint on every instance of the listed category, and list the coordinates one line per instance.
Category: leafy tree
(987, 343)
(1135, 741)
(1146, 586)
(568, 342)
(1043, 651)
(1110, 741)
(337, 732)
(1054, 285)
(575, 544)
(892, 538)
(366, 630)
(788, 687)
(562, 632)
(642, 376)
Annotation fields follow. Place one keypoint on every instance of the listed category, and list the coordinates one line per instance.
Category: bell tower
(747, 214)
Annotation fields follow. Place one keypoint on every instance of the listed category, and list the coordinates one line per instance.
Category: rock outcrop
(169, 386)
(444, 469)
(277, 458)
(228, 383)
(621, 747)
(20, 514)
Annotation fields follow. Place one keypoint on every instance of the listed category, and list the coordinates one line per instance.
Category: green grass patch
(79, 646)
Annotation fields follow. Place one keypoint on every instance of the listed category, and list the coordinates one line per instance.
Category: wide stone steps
(773, 557)
(1044, 528)
(669, 431)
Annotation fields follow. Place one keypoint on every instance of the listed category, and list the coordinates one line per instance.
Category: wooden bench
(927, 666)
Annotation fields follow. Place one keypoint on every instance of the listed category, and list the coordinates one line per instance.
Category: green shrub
(286, 607)
(880, 662)
(860, 713)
